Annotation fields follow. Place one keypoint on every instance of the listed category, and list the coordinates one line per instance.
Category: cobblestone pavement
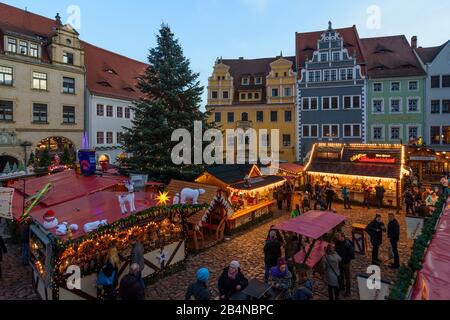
(247, 248)
(16, 281)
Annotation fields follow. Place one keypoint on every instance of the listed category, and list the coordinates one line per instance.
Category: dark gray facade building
(331, 88)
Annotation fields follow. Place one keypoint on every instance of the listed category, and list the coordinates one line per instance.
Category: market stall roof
(312, 224)
(232, 173)
(293, 168)
(379, 161)
(91, 208)
(176, 186)
(433, 281)
(259, 182)
(67, 186)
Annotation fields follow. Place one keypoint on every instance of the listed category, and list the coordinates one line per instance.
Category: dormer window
(68, 58)
(23, 47)
(258, 80)
(111, 71)
(245, 81)
(104, 83)
(324, 57)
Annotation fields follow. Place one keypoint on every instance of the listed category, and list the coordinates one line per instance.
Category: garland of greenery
(406, 275)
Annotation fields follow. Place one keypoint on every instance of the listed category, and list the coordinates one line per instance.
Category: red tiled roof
(429, 54)
(125, 73)
(306, 44)
(391, 57)
(26, 21)
(252, 67)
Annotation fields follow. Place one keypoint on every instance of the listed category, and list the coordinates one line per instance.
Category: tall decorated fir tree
(171, 98)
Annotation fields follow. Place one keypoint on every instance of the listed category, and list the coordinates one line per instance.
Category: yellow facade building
(258, 94)
(42, 86)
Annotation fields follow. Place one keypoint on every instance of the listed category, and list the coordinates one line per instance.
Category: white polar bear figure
(191, 194)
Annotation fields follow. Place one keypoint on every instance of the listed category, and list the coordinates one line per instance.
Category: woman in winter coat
(331, 272)
(231, 281)
(281, 278)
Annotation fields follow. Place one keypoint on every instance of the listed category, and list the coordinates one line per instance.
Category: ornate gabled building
(331, 96)
(42, 81)
(258, 94)
(396, 91)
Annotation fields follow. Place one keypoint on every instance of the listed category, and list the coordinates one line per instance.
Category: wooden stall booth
(358, 167)
(249, 192)
(78, 219)
(428, 165)
(205, 227)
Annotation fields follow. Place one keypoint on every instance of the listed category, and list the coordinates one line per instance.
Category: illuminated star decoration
(163, 198)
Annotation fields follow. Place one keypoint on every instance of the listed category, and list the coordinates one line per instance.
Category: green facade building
(396, 91)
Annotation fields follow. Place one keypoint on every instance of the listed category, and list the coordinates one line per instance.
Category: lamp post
(25, 145)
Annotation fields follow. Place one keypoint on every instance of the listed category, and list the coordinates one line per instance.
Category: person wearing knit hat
(203, 275)
(199, 289)
(232, 281)
(281, 278)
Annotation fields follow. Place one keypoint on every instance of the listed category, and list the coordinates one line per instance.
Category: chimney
(414, 42)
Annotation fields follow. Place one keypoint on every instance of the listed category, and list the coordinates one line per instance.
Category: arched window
(244, 116)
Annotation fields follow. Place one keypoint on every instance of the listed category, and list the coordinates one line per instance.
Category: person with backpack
(199, 289)
(330, 264)
(344, 248)
(375, 230)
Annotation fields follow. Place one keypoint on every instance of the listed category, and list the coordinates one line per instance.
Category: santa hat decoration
(50, 220)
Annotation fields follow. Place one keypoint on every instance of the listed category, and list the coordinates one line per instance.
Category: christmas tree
(31, 160)
(44, 159)
(171, 100)
(66, 158)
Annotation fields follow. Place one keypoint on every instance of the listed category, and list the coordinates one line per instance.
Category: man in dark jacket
(231, 281)
(394, 237)
(409, 201)
(130, 285)
(344, 248)
(2, 251)
(137, 255)
(272, 252)
(375, 230)
(379, 193)
(199, 289)
(330, 196)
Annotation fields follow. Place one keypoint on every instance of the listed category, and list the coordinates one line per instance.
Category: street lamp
(25, 145)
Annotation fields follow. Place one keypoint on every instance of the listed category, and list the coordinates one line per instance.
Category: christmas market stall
(313, 226)
(359, 167)
(428, 165)
(249, 192)
(79, 219)
(207, 226)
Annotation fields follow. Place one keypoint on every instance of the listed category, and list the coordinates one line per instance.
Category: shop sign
(6, 199)
(373, 158)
